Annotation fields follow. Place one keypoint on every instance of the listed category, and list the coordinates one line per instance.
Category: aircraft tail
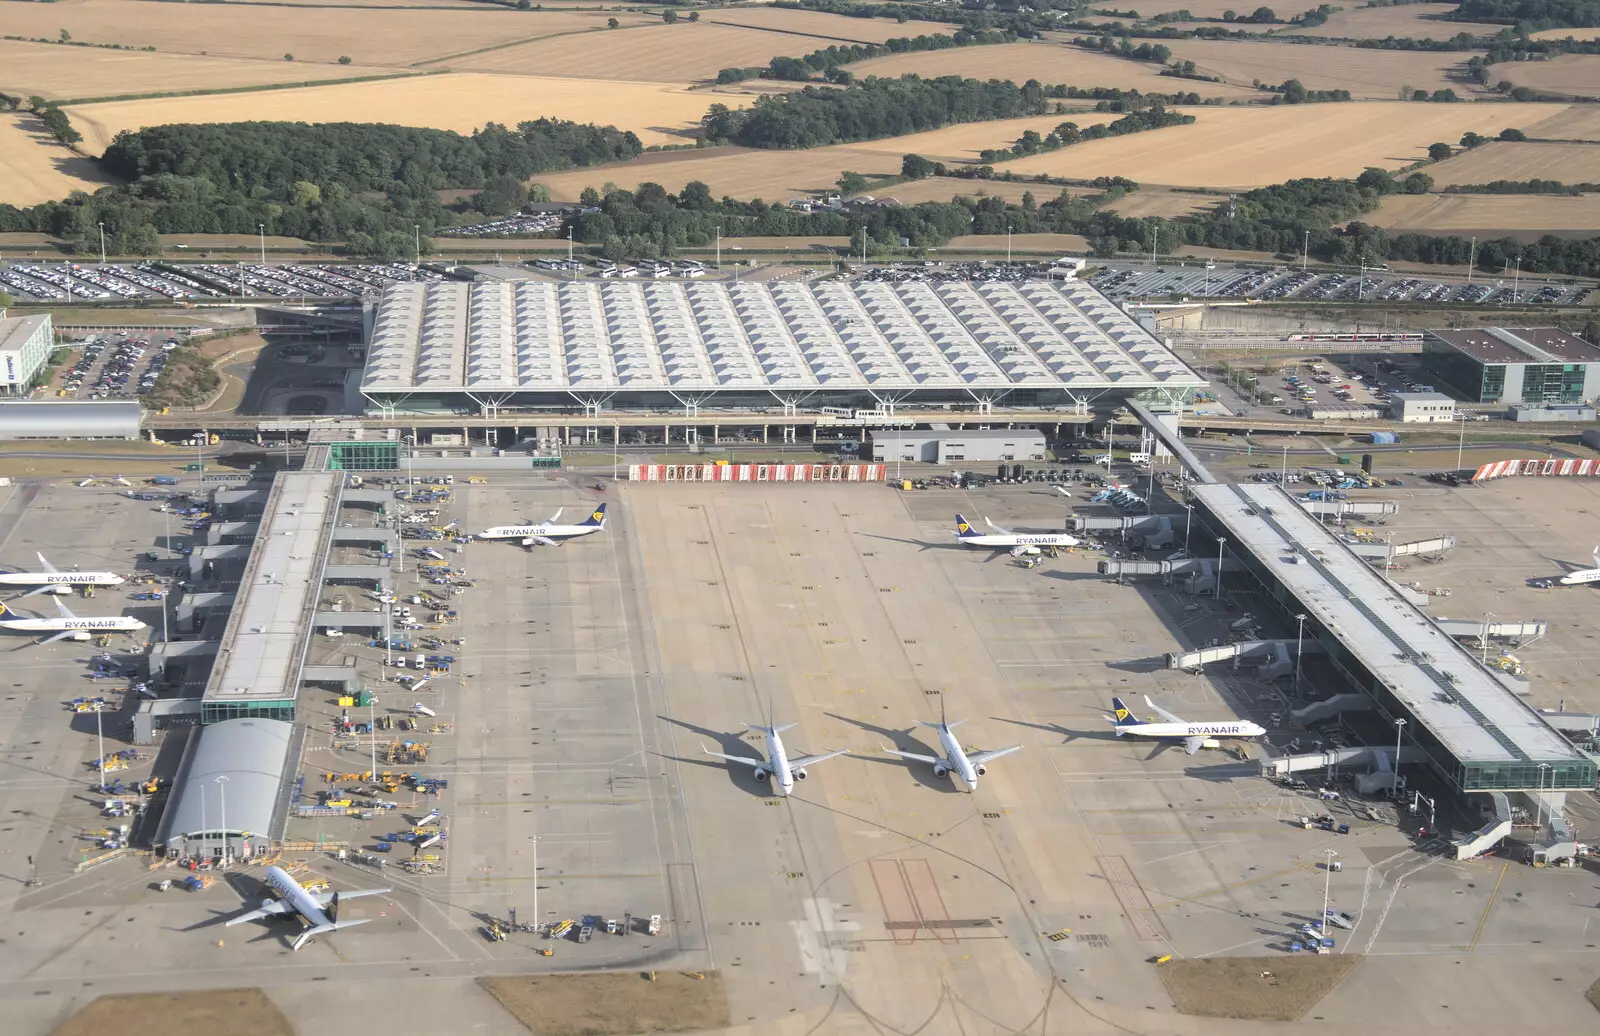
(324, 929)
(1121, 715)
(6, 613)
(964, 529)
(596, 519)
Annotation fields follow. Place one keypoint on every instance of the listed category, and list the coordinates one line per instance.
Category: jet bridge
(1165, 429)
(1280, 650)
(1390, 551)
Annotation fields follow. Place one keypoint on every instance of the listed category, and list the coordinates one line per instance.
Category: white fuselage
(958, 767)
(1184, 731)
(537, 532)
(1588, 575)
(995, 540)
(64, 580)
(290, 891)
(107, 624)
(778, 764)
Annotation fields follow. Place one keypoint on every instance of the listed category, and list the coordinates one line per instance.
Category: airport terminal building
(1505, 365)
(594, 347)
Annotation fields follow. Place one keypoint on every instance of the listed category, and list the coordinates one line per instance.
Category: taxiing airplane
(1003, 541)
(319, 909)
(1194, 736)
(69, 626)
(54, 581)
(778, 766)
(548, 533)
(1586, 575)
(956, 763)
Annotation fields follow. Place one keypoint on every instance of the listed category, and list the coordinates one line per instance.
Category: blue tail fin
(1120, 713)
(964, 529)
(596, 520)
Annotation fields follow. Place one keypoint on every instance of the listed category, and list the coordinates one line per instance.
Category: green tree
(1471, 140)
(839, 76)
(7, 300)
(1417, 183)
(344, 59)
(66, 37)
(915, 167)
(694, 16)
(1513, 134)
(288, 57)
(1439, 152)
(1263, 16)
(612, 23)
(539, 192)
(1294, 92)
(305, 194)
(524, 5)
(1591, 330)
(589, 198)
(669, 16)
(1419, 95)
(852, 183)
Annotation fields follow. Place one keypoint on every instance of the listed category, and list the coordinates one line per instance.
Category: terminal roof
(259, 658)
(1520, 345)
(670, 336)
(1439, 682)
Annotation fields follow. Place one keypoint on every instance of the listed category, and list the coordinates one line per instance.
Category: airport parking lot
(1225, 281)
(95, 282)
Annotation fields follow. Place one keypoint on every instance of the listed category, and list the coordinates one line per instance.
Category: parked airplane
(777, 765)
(1194, 736)
(1586, 575)
(548, 533)
(69, 626)
(966, 768)
(320, 909)
(54, 581)
(1002, 541)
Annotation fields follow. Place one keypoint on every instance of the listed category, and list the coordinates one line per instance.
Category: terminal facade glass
(364, 456)
(217, 711)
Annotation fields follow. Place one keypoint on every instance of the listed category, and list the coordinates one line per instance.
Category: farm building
(948, 446)
(595, 347)
(63, 419)
(25, 344)
(1503, 365)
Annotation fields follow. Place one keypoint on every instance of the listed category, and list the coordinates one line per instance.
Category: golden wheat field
(1568, 163)
(34, 168)
(1414, 21)
(1577, 122)
(1252, 147)
(1488, 214)
(657, 112)
(831, 26)
(1592, 33)
(1367, 74)
(662, 53)
(368, 37)
(1577, 75)
(1164, 204)
(1049, 62)
(59, 73)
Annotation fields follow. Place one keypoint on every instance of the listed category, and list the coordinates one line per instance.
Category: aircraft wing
(979, 758)
(543, 541)
(66, 613)
(276, 908)
(999, 552)
(555, 517)
(63, 635)
(45, 564)
(747, 760)
(807, 760)
(1191, 745)
(995, 527)
(325, 898)
(912, 755)
(1169, 717)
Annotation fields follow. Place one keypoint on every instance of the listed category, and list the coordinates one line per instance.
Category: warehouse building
(61, 419)
(229, 791)
(1422, 407)
(25, 344)
(1524, 365)
(594, 347)
(947, 446)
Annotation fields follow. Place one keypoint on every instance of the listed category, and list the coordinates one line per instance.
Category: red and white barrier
(757, 472)
(1569, 468)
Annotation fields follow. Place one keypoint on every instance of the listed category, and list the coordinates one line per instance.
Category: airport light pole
(1299, 642)
(416, 233)
(222, 791)
(1542, 768)
(1327, 881)
(1220, 543)
(1008, 244)
(1188, 523)
(1283, 473)
(1461, 440)
(100, 740)
(102, 227)
(1399, 730)
(535, 840)
(1305, 255)
(1484, 640)
(261, 229)
(372, 723)
(1472, 258)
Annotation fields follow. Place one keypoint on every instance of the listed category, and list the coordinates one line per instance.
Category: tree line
(828, 61)
(1532, 15)
(1068, 134)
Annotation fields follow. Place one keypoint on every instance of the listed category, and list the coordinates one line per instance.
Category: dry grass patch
(368, 37)
(1577, 75)
(1567, 163)
(612, 1004)
(1277, 989)
(1489, 215)
(1577, 122)
(1166, 204)
(657, 112)
(1205, 8)
(820, 23)
(1592, 33)
(1411, 21)
(156, 1014)
(56, 73)
(1050, 63)
(943, 188)
(1367, 74)
(34, 168)
(655, 53)
(1253, 147)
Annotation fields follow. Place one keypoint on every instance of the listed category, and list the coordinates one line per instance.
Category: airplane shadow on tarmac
(903, 741)
(731, 743)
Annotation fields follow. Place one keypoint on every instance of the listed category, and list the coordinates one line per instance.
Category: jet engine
(800, 774)
(761, 774)
(941, 770)
(980, 770)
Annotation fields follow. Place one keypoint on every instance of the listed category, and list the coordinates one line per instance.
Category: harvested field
(1278, 989)
(1591, 33)
(827, 26)
(34, 168)
(1166, 204)
(1577, 122)
(57, 73)
(658, 113)
(146, 1014)
(1206, 8)
(1410, 21)
(1252, 147)
(1574, 75)
(779, 175)
(375, 37)
(612, 1004)
(1050, 63)
(1568, 163)
(943, 188)
(1367, 74)
(653, 53)
(1489, 215)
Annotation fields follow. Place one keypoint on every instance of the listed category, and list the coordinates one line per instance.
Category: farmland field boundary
(76, 101)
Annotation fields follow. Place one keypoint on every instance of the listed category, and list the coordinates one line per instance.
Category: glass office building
(1502, 365)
